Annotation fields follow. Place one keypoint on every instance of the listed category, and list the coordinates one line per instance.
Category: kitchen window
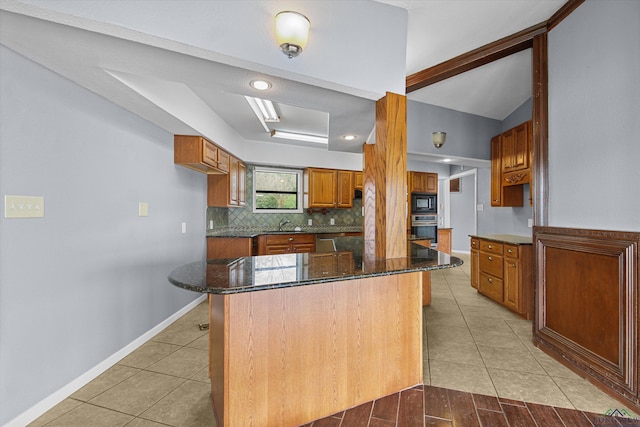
(277, 190)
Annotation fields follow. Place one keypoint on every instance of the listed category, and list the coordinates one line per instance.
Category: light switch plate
(23, 206)
(143, 209)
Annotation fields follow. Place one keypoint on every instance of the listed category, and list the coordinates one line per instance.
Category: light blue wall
(91, 276)
(519, 115)
(594, 106)
(463, 215)
(467, 134)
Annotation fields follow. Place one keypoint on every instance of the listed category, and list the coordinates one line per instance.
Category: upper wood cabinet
(328, 188)
(423, 182)
(199, 154)
(344, 196)
(358, 180)
(510, 165)
(228, 190)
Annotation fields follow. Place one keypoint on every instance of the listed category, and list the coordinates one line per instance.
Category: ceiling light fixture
(438, 138)
(292, 32)
(447, 160)
(349, 137)
(260, 84)
(299, 136)
(264, 111)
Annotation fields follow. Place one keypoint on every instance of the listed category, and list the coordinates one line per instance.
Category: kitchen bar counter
(295, 338)
(226, 276)
(511, 239)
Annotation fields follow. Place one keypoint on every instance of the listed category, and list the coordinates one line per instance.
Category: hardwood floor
(424, 405)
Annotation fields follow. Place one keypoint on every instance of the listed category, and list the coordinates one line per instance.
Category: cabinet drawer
(303, 247)
(493, 247)
(511, 251)
(491, 287)
(475, 243)
(285, 239)
(491, 264)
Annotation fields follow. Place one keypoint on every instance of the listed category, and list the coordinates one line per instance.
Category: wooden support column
(386, 170)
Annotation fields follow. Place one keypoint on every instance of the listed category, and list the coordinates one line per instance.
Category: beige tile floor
(471, 344)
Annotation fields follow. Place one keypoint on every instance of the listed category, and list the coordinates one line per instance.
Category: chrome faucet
(283, 222)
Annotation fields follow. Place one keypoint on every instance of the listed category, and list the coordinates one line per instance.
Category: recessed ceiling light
(260, 84)
(448, 160)
(349, 137)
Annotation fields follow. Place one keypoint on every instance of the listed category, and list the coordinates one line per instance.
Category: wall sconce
(439, 138)
(292, 32)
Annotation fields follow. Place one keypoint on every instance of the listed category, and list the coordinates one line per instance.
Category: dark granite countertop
(253, 232)
(511, 239)
(228, 276)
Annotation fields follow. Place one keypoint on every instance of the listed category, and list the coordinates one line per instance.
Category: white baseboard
(52, 400)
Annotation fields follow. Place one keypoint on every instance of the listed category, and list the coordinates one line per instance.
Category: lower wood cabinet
(229, 247)
(444, 240)
(504, 272)
(274, 244)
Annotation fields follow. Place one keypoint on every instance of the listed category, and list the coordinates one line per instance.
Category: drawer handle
(490, 280)
(490, 258)
(490, 247)
(510, 251)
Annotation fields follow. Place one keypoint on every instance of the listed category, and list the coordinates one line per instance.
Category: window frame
(298, 172)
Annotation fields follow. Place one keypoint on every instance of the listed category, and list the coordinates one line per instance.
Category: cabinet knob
(510, 251)
(513, 265)
(490, 258)
(291, 239)
(490, 247)
(490, 280)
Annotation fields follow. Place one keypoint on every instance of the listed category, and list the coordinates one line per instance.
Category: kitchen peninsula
(297, 337)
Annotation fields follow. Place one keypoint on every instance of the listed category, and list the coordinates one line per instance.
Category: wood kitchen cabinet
(328, 188)
(275, 244)
(228, 190)
(475, 260)
(444, 240)
(503, 272)
(422, 182)
(510, 165)
(199, 154)
(229, 247)
(358, 180)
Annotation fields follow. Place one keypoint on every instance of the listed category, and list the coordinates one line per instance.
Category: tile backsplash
(223, 218)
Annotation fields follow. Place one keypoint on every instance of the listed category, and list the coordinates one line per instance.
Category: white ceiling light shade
(438, 138)
(260, 84)
(292, 32)
(349, 137)
(299, 137)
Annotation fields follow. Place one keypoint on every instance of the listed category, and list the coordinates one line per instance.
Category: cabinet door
(358, 179)
(242, 186)
(475, 268)
(209, 154)
(496, 172)
(491, 287)
(233, 181)
(345, 189)
(322, 188)
(223, 160)
(508, 150)
(431, 182)
(511, 288)
(419, 182)
(521, 139)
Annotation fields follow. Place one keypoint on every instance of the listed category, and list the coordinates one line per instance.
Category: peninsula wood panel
(229, 247)
(587, 305)
(332, 346)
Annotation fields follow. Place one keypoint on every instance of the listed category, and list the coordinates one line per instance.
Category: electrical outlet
(332, 221)
(23, 206)
(530, 222)
(184, 227)
(143, 209)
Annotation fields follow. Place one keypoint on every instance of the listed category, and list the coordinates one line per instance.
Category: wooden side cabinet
(344, 189)
(229, 247)
(444, 240)
(503, 272)
(358, 180)
(423, 182)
